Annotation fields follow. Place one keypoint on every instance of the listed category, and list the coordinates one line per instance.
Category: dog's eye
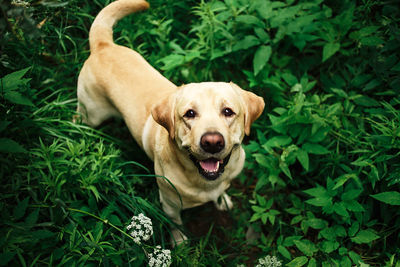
(190, 114)
(227, 112)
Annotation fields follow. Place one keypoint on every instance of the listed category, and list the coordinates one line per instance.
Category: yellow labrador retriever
(193, 133)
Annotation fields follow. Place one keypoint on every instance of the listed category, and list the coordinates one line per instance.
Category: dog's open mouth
(210, 168)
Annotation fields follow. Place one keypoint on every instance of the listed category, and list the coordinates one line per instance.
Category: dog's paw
(177, 237)
(224, 203)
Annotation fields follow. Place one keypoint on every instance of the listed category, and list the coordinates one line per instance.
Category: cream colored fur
(117, 81)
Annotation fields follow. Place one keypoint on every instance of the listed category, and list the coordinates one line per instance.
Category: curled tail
(101, 31)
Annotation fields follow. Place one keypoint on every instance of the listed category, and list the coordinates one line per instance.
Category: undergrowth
(321, 180)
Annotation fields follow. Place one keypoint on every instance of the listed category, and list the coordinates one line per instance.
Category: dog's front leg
(173, 212)
(224, 202)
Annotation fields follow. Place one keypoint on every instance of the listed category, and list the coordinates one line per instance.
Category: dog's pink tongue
(210, 165)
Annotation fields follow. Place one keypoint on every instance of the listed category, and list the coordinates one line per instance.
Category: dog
(193, 132)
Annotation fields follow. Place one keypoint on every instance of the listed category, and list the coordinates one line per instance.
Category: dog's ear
(163, 114)
(253, 106)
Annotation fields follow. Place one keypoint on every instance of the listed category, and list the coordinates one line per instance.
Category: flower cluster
(269, 261)
(160, 257)
(20, 3)
(142, 228)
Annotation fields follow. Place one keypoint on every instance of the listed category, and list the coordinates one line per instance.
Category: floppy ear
(163, 114)
(253, 105)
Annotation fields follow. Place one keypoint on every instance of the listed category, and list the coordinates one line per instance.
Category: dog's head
(208, 120)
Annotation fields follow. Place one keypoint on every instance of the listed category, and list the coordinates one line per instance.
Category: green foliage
(322, 176)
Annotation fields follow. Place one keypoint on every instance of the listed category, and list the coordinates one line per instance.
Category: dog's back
(101, 91)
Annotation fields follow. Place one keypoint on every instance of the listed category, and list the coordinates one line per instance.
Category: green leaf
(315, 149)
(390, 197)
(297, 262)
(306, 246)
(17, 98)
(262, 34)
(340, 209)
(13, 80)
(318, 191)
(10, 146)
(172, 61)
(293, 211)
(366, 101)
(320, 202)
(329, 50)
(262, 181)
(285, 168)
(114, 219)
(353, 205)
(302, 157)
(249, 19)
(329, 246)
(247, 42)
(289, 78)
(94, 191)
(262, 160)
(312, 263)
(19, 210)
(351, 194)
(296, 219)
(261, 58)
(354, 229)
(371, 41)
(316, 223)
(339, 92)
(343, 179)
(284, 252)
(328, 233)
(364, 236)
(279, 141)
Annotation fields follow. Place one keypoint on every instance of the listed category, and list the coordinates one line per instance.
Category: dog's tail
(101, 33)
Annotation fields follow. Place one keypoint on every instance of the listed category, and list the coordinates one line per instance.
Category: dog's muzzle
(210, 168)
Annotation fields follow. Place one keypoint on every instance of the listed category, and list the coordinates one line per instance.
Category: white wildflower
(269, 261)
(140, 225)
(20, 3)
(160, 257)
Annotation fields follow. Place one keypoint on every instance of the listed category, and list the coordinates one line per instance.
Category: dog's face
(208, 120)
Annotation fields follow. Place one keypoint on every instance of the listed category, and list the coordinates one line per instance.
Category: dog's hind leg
(93, 107)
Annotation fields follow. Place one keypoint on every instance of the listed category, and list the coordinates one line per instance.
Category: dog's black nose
(212, 142)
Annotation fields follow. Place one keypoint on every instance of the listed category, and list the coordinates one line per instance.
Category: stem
(100, 219)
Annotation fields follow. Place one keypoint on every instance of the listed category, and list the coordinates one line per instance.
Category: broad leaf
(10, 146)
(297, 262)
(13, 80)
(17, 98)
(315, 149)
(364, 237)
(303, 158)
(261, 58)
(306, 246)
(284, 252)
(329, 50)
(390, 197)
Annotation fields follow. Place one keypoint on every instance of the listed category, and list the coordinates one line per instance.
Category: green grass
(321, 180)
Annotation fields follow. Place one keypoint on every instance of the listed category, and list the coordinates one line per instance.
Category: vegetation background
(321, 181)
